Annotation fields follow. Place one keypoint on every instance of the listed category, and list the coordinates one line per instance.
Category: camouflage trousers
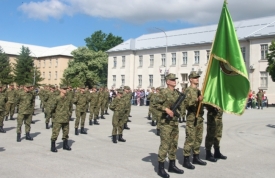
(150, 111)
(125, 117)
(107, 104)
(56, 130)
(158, 116)
(169, 135)
(10, 107)
(27, 118)
(260, 103)
(117, 124)
(214, 131)
(2, 116)
(193, 135)
(101, 108)
(49, 115)
(82, 116)
(93, 112)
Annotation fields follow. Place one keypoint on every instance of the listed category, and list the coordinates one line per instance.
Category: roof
(198, 35)
(37, 51)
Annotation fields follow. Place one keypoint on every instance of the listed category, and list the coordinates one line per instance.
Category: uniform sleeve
(113, 104)
(158, 102)
(189, 101)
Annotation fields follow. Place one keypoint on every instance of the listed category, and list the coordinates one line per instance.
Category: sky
(52, 23)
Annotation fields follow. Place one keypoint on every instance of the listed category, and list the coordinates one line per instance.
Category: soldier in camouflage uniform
(33, 102)
(41, 95)
(182, 111)
(25, 100)
(49, 99)
(3, 100)
(127, 99)
(156, 114)
(10, 105)
(61, 105)
(169, 130)
(150, 97)
(18, 89)
(194, 126)
(107, 100)
(80, 100)
(93, 99)
(101, 101)
(70, 94)
(117, 106)
(214, 133)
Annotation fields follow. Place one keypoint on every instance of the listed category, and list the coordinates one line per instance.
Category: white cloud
(140, 11)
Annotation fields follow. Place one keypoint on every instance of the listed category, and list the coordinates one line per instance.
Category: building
(50, 61)
(142, 62)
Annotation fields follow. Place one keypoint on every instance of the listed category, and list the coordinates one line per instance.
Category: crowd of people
(257, 100)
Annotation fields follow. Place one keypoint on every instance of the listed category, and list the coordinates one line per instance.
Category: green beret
(28, 85)
(193, 74)
(152, 88)
(158, 88)
(120, 92)
(170, 77)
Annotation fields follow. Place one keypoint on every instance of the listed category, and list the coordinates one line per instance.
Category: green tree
(100, 41)
(5, 68)
(88, 67)
(271, 61)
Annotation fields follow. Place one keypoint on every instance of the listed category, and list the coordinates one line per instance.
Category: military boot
(126, 127)
(209, 156)
(153, 123)
(65, 145)
(129, 120)
(180, 121)
(161, 171)
(53, 148)
(47, 126)
(82, 131)
(76, 131)
(120, 139)
(183, 119)
(102, 117)
(18, 137)
(149, 117)
(90, 122)
(174, 168)
(187, 164)
(158, 132)
(11, 118)
(32, 122)
(218, 155)
(2, 130)
(95, 122)
(28, 137)
(197, 160)
(6, 118)
(106, 113)
(42, 109)
(71, 119)
(114, 138)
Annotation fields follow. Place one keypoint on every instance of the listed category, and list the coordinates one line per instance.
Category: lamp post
(165, 49)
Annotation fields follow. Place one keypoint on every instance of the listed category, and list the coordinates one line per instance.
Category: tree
(88, 67)
(24, 68)
(36, 76)
(5, 68)
(271, 61)
(100, 41)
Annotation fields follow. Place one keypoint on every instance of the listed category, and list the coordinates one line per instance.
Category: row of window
(50, 63)
(264, 51)
(184, 77)
(50, 75)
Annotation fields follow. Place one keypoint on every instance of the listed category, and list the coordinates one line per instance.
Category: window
(184, 77)
(50, 63)
(39, 63)
(55, 75)
(264, 79)
(174, 59)
(123, 61)
(56, 62)
(50, 75)
(243, 52)
(207, 55)
(264, 51)
(44, 63)
(163, 60)
(151, 60)
(162, 80)
(184, 58)
(140, 61)
(114, 79)
(197, 57)
(150, 80)
(122, 80)
(139, 80)
(115, 62)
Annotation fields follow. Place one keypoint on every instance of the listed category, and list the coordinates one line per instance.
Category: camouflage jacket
(11, 95)
(81, 101)
(101, 97)
(151, 97)
(70, 95)
(61, 106)
(3, 100)
(117, 105)
(190, 101)
(93, 98)
(25, 101)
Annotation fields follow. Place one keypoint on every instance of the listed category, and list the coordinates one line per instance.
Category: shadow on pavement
(270, 125)
(33, 135)
(184, 126)
(153, 159)
(9, 128)
(153, 130)
(179, 154)
(60, 144)
(36, 121)
(2, 149)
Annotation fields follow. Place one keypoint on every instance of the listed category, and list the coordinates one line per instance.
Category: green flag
(226, 84)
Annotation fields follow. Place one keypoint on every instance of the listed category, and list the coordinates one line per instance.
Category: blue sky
(61, 22)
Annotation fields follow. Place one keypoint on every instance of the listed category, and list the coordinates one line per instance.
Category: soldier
(214, 133)
(169, 130)
(61, 106)
(41, 95)
(117, 106)
(87, 93)
(25, 100)
(49, 99)
(70, 94)
(260, 99)
(18, 89)
(182, 111)
(93, 99)
(107, 100)
(150, 97)
(101, 101)
(156, 114)
(10, 105)
(33, 92)
(80, 100)
(127, 99)
(194, 126)
(3, 100)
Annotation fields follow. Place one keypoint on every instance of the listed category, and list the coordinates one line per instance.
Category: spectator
(142, 96)
(138, 97)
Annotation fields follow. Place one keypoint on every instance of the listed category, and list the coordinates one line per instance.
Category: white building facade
(142, 62)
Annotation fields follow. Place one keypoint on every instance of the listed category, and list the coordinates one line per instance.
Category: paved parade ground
(248, 142)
